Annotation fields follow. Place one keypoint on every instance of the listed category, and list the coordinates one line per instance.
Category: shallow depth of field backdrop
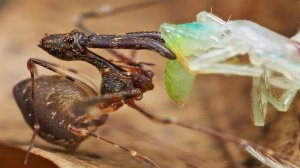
(218, 101)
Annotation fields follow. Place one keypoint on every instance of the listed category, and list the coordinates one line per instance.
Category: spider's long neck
(101, 63)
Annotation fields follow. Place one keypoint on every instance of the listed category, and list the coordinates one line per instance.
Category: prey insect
(212, 45)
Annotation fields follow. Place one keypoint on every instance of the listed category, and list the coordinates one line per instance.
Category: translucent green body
(210, 45)
(178, 82)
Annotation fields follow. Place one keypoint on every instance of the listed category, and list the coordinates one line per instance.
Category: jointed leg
(73, 71)
(229, 69)
(36, 126)
(130, 61)
(215, 56)
(217, 62)
(202, 129)
(259, 102)
(133, 55)
(32, 68)
(284, 101)
(109, 97)
(91, 120)
(34, 61)
(132, 65)
(104, 13)
(83, 132)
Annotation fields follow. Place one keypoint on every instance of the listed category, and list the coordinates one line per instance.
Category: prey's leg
(283, 102)
(228, 69)
(259, 102)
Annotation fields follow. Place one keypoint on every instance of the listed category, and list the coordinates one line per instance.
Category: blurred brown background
(218, 101)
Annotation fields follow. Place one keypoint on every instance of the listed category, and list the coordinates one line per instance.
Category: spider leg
(203, 129)
(31, 65)
(84, 132)
(109, 97)
(35, 61)
(103, 13)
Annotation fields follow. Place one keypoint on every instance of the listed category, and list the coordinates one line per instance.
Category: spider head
(64, 46)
